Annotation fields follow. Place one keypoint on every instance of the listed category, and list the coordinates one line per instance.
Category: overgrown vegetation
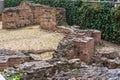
(96, 16)
(10, 75)
(102, 17)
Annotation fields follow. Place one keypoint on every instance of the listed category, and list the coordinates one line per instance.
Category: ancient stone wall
(15, 17)
(48, 19)
(0, 17)
(76, 46)
(28, 13)
(9, 58)
(61, 15)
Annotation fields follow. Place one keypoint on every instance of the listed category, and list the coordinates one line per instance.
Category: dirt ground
(29, 38)
(111, 45)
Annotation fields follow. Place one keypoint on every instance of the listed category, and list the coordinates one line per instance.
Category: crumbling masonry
(76, 48)
(28, 13)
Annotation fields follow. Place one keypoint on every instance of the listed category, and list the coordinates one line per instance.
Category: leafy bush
(12, 3)
(10, 75)
(102, 17)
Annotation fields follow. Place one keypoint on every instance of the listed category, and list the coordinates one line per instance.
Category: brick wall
(10, 61)
(28, 13)
(0, 17)
(48, 18)
(76, 46)
(3, 66)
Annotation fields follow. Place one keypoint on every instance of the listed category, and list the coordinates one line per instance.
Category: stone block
(84, 48)
(76, 46)
(15, 61)
(9, 58)
(93, 33)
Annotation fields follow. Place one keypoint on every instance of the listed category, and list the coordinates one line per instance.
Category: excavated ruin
(75, 58)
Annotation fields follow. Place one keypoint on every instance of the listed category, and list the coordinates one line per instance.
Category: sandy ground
(33, 38)
(29, 38)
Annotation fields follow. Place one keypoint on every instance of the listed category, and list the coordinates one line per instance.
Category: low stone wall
(13, 18)
(76, 46)
(10, 58)
(96, 34)
(44, 70)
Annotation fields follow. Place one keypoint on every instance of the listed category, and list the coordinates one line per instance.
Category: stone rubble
(76, 46)
(9, 58)
(106, 57)
(75, 57)
(42, 70)
(90, 73)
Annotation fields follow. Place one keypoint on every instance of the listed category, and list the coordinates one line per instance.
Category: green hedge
(102, 17)
(12, 3)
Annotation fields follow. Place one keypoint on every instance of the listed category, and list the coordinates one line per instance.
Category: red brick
(31, 14)
(84, 48)
(15, 61)
(3, 65)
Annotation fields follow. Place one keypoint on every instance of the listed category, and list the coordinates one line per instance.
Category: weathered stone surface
(110, 63)
(109, 53)
(90, 73)
(61, 15)
(63, 29)
(93, 33)
(76, 46)
(10, 58)
(42, 70)
(48, 19)
(106, 57)
(28, 13)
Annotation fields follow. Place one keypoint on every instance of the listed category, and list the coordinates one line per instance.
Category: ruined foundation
(74, 50)
(28, 13)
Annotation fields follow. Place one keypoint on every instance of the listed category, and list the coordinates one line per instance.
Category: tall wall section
(28, 13)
